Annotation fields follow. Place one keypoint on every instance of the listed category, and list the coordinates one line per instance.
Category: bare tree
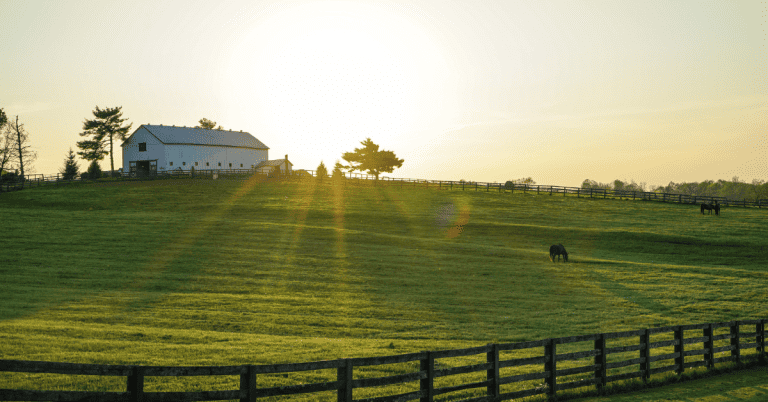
(6, 142)
(21, 151)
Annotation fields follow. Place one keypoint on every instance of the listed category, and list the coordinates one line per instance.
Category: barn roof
(274, 162)
(201, 136)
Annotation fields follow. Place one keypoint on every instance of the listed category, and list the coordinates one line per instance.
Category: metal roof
(201, 136)
(274, 162)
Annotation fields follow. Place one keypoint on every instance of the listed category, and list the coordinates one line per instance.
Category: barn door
(153, 167)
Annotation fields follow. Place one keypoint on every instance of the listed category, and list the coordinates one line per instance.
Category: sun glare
(333, 73)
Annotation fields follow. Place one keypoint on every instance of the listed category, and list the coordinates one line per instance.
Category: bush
(84, 176)
(94, 170)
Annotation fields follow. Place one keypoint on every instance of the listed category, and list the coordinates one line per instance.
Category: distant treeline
(734, 189)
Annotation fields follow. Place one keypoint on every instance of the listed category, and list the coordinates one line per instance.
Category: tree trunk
(18, 143)
(111, 158)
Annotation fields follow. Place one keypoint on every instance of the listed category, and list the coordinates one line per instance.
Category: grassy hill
(200, 272)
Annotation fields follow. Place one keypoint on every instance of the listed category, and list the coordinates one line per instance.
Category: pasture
(201, 272)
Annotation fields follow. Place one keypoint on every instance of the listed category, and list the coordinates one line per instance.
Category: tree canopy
(208, 124)
(106, 125)
(369, 159)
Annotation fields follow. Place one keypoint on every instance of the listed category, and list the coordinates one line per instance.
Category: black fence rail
(359, 178)
(658, 350)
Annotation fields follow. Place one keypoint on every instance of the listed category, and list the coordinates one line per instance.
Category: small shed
(275, 166)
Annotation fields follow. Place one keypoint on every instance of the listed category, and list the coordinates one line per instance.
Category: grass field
(201, 272)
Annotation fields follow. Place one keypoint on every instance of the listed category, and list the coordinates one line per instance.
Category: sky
(489, 91)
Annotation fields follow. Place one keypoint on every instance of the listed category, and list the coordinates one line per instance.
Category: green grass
(200, 272)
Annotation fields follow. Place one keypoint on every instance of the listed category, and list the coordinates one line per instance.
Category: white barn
(153, 148)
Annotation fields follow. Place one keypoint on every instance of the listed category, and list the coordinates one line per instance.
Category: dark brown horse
(557, 250)
(711, 207)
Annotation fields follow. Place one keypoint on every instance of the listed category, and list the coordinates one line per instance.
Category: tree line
(734, 189)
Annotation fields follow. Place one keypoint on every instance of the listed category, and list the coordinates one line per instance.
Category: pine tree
(70, 166)
(337, 172)
(106, 126)
(94, 170)
(369, 159)
(322, 172)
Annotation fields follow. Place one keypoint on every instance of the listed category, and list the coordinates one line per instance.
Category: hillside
(190, 272)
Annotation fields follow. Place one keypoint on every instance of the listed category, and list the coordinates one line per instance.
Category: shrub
(94, 170)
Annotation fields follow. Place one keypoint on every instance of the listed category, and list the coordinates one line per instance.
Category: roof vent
(241, 131)
(161, 124)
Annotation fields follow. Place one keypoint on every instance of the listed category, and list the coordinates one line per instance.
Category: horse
(717, 208)
(557, 250)
(709, 207)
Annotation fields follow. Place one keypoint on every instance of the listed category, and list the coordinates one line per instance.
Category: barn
(157, 148)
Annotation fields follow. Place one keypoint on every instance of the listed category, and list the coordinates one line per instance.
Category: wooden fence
(564, 190)
(39, 180)
(548, 367)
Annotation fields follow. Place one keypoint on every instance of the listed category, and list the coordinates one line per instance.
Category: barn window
(184, 163)
(241, 165)
(142, 147)
(206, 164)
(219, 164)
(195, 163)
(230, 165)
(171, 163)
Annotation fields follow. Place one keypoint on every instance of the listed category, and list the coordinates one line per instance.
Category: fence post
(492, 374)
(344, 374)
(735, 341)
(247, 384)
(487, 187)
(645, 365)
(601, 360)
(136, 385)
(679, 348)
(709, 355)
(550, 356)
(760, 329)
(427, 385)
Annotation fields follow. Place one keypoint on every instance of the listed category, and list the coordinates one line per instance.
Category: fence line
(38, 180)
(737, 341)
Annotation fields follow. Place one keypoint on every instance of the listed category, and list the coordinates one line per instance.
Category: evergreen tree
(322, 172)
(94, 170)
(337, 172)
(70, 166)
(371, 160)
(104, 128)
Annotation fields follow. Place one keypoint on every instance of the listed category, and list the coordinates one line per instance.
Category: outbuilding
(157, 148)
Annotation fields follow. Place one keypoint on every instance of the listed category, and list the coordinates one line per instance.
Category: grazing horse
(717, 208)
(557, 250)
(709, 207)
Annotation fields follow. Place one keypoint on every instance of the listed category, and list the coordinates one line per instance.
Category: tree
(208, 124)
(104, 128)
(370, 159)
(337, 172)
(94, 170)
(70, 166)
(20, 149)
(321, 172)
(6, 144)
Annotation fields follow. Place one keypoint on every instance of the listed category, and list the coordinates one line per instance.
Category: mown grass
(201, 272)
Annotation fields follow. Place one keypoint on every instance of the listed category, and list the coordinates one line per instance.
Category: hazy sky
(561, 91)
